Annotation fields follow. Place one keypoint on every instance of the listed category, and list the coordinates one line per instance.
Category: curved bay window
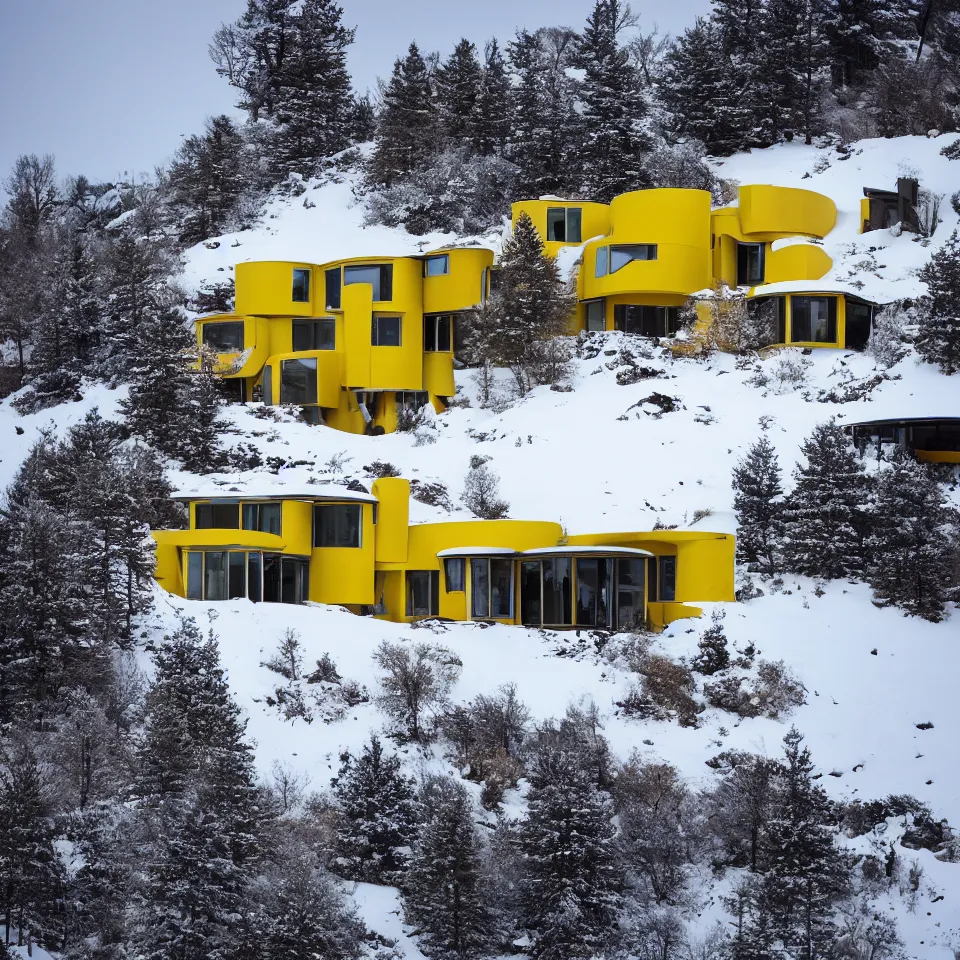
(226, 337)
(813, 319)
(246, 574)
(298, 380)
(645, 321)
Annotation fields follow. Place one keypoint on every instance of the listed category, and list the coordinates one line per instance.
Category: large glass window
(264, 517)
(298, 380)
(454, 574)
(813, 319)
(600, 267)
(645, 321)
(423, 593)
(859, 318)
(385, 332)
(378, 275)
(301, 286)
(215, 576)
(255, 577)
(620, 256)
(336, 525)
(332, 278)
(314, 334)
(266, 385)
(233, 574)
(531, 612)
(546, 592)
(294, 585)
(436, 266)
(237, 575)
(411, 401)
(564, 224)
(667, 578)
(216, 516)
(631, 609)
(749, 264)
(595, 315)
(491, 587)
(594, 576)
(437, 333)
(195, 576)
(224, 337)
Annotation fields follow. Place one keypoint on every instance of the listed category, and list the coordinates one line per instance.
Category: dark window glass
(429, 334)
(314, 334)
(215, 576)
(444, 333)
(557, 591)
(620, 256)
(436, 266)
(652, 585)
(379, 276)
(631, 611)
(333, 288)
(266, 385)
(859, 317)
(411, 401)
(556, 224)
(530, 613)
(600, 270)
(437, 333)
(271, 577)
(254, 584)
(385, 332)
(769, 318)
(593, 592)
(749, 264)
(595, 314)
(217, 516)
(224, 337)
(289, 580)
(195, 576)
(301, 286)
(423, 593)
(645, 321)
(238, 575)
(501, 589)
(574, 220)
(668, 578)
(264, 517)
(813, 319)
(336, 525)
(298, 381)
(480, 588)
(453, 574)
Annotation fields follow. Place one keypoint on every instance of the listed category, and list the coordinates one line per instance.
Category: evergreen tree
(173, 407)
(529, 310)
(490, 123)
(570, 888)
(939, 337)
(362, 120)
(457, 83)
(827, 514)
(407, 126)
(314, 99)
(911, 548)
(756, 502)
(378, 816)
(614, 108)
(206, 179)
(444, 892)
(808, 874)
(713, 654)
(31, 878)
(855, 30)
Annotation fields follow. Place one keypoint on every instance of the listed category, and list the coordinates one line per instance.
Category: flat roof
(543, 551)
(477, 552)
(325, 492)
(903, 420)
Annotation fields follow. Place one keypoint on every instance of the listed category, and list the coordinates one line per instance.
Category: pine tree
(407, 126)
(855, 31)
(457, 83)
(713, 655)
(808, 874)
(445, 897)
(378, 816)
(910, 545)
(314, 96)
(571, 882)
(827, 514)
(531, 305)
(756, 502)
(939, 337)
(31, 878)
(490, 123)
(614, 108)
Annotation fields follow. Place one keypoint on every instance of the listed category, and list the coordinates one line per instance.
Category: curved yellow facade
(360, 551)
(593, 219)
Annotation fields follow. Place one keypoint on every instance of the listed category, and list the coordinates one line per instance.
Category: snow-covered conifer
(939, 337)
(457, 83)
(491, 121)
(756, 501)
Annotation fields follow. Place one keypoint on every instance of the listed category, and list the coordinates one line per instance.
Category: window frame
(602, 304)
(301, 284)
(455, 563)
(567, 232)
(744, 279)
(832, 311)
(314, 325)
(218, 348)
(213, 506)
(375, 335)
(620, 248)
(667, 578)
(669, 319)
(489, 562)
(433, 323)
(383, 289)
(333, 284)
(258, 508)
(432, 578)
(443, 258)
(318, 511)
(309, 363)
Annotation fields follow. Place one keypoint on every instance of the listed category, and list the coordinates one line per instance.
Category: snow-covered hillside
(604, 457)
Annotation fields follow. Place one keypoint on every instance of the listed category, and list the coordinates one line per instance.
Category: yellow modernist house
(335, 545)
(353, 342)
(648, 251)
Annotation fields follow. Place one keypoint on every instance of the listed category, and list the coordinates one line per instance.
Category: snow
(598, 459)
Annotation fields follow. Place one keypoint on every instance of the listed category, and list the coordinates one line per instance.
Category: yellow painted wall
(462, 287)
(595, 219)
(798, 261)
(785, 211)
(265, 288)
(393, 518)
(344, 575)
(438, 373)
(864, 214)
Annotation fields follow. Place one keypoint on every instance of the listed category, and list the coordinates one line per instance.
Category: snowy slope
(598, 458)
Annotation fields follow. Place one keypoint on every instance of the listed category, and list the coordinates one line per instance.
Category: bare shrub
(666, 689)
(774, 692)
(481, 491)
(416, 680)
(381, 468)
(889, 342)
(432, 494)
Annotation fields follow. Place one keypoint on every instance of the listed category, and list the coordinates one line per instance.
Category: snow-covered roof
(932, 418)
(254, 490)
(477, 552)
(586, 551)
(807, 286)
(795, 242)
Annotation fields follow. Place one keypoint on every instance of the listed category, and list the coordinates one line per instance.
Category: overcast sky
(110, 86)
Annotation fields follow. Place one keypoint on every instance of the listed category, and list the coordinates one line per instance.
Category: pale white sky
(111, 86)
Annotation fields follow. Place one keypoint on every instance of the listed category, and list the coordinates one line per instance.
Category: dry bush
(666, 689)
(774, 692)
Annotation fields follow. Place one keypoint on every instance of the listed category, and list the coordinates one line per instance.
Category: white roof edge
(221, 493)
(596, 549)
(477, 551)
